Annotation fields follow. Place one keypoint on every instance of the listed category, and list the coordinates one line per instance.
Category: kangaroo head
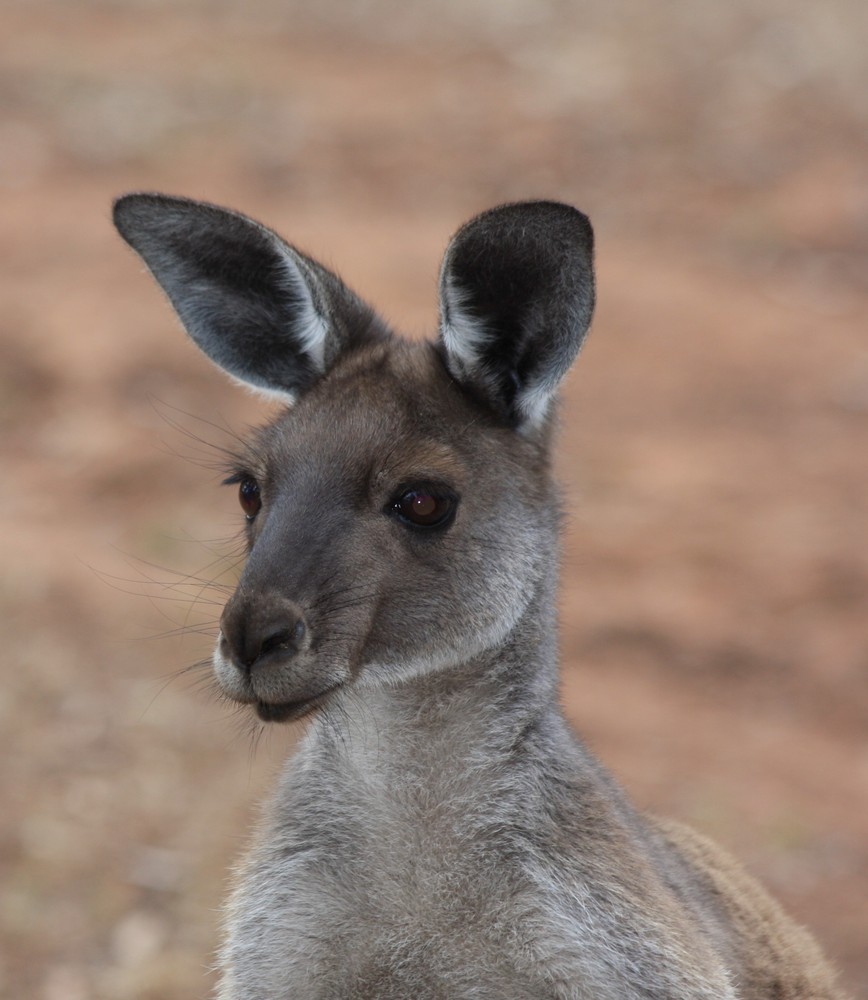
(399, 512)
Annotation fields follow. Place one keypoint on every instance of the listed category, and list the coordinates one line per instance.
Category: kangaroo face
(400, 511)
(383, 542)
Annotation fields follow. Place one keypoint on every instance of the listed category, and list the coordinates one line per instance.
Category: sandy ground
(714, 449)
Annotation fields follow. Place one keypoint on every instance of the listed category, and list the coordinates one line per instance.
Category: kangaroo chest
(395, 883)
(423, 915)
(416, 890)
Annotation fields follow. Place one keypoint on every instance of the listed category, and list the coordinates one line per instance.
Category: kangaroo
(440, 832)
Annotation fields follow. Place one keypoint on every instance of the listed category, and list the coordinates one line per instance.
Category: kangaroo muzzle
(264, 657)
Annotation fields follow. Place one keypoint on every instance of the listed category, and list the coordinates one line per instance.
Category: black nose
(259, 630)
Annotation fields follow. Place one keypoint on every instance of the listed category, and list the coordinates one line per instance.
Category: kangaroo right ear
(516, 300)
(265, 313)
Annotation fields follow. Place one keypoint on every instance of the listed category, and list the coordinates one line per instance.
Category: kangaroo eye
(423, 508)
(248, 497)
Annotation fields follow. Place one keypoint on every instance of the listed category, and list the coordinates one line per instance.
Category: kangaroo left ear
(264, 312)
(516, 300)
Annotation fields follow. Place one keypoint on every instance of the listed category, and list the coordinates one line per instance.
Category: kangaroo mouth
(290, 711)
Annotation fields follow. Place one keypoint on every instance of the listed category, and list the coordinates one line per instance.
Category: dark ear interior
(260, 309)
(517, 296)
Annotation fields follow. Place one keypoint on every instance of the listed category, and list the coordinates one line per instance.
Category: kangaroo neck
(480, 706)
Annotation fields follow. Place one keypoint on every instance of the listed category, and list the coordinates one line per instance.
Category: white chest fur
(391, 876)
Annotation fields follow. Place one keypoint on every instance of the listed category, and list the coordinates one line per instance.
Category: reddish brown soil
(715, 435)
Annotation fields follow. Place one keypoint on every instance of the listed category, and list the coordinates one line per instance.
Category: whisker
(230, 455)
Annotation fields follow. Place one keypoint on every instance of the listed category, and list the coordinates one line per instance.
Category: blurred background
(714, 449)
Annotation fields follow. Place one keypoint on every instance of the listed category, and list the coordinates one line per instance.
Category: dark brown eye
(248, 497)
(423, 508)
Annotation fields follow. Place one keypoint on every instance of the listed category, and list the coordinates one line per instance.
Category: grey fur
(440, 833)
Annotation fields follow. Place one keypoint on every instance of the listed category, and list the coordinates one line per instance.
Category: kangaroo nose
(261, 630)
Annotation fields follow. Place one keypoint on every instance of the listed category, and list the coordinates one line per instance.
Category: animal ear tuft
(261, 310)
(516, 300)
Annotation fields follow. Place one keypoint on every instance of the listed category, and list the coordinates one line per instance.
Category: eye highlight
(425, 507)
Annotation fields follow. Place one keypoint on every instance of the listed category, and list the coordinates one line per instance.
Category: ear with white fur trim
(516, 300)
(265, 313)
